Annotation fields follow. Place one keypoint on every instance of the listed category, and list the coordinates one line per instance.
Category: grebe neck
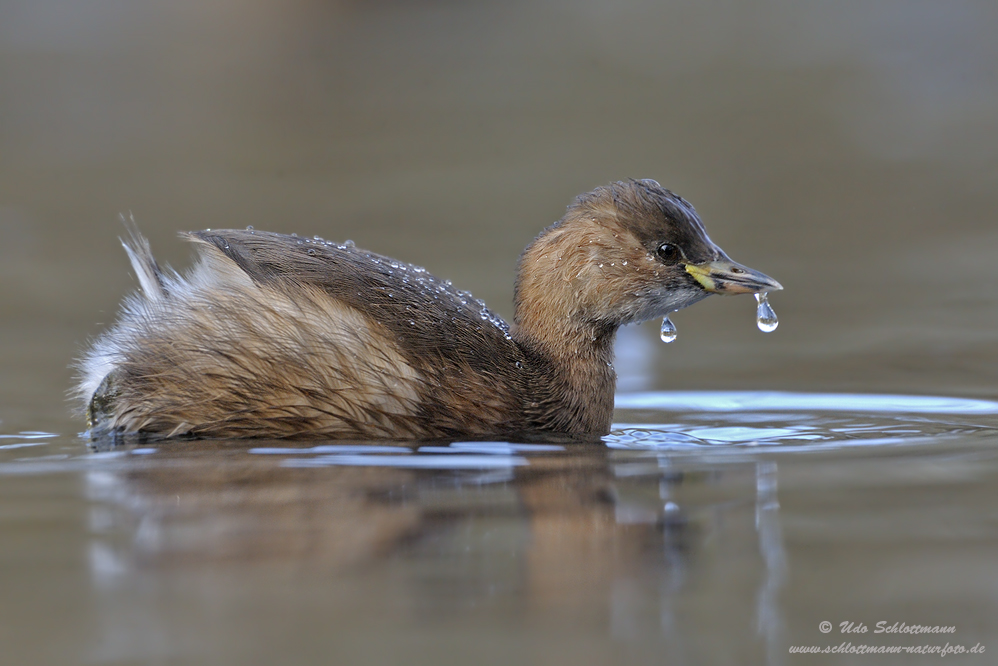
(576, 355)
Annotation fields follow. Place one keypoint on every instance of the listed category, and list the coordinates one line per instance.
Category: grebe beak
(726, 277)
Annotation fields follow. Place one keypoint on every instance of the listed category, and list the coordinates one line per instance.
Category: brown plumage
(278, 336)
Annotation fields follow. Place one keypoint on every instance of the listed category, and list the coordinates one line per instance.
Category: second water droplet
(765, 317)
(668, 332)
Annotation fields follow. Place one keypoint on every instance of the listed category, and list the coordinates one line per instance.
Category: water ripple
(817, 420)
(733, 401)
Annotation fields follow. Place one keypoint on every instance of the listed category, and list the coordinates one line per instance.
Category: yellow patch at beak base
(701, 273)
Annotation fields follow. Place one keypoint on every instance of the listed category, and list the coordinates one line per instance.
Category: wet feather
(272, 335)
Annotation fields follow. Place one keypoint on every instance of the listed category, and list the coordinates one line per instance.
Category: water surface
(726, 533)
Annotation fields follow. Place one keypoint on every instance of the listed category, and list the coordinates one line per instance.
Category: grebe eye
(668, 253)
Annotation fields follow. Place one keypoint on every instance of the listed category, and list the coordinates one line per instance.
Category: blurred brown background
(847, 149)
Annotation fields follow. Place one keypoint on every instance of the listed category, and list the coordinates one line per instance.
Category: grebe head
(624, 253)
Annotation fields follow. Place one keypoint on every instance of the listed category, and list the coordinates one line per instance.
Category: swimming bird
(278, 336)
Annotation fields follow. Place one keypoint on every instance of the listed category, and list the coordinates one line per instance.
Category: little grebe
(278, 336)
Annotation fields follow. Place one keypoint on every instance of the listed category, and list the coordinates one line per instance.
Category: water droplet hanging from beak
(765, 316)
(668, 332)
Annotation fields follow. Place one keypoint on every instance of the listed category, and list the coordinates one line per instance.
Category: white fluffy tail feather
(143, 263)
